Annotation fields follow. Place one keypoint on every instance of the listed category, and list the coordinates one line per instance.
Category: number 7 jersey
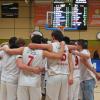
(33, 58)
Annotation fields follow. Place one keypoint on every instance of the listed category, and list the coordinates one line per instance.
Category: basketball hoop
(61, 28)
(51, 23)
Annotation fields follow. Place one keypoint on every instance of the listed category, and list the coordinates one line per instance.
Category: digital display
(70, 13)
(59, 16)
(9, 10)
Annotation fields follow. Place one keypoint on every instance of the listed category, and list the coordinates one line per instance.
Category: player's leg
(53, 87)
(11, 91)
(64, 88)
(71, 91)
(82, 87)
(80, 94)
(88, 89)
(76, 88)
(3, 91)
(35, 93)
(23, 93)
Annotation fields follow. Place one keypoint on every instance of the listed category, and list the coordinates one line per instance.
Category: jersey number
(30, 60)
(76, 60)
(63, 57)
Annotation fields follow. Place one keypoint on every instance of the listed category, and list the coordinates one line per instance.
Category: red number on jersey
(30, 60)
(63, 57)
(76, 61)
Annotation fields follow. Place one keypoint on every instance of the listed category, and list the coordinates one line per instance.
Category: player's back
(76, 63)
(55, 48)
(60, 66)
(10, 70)
(32, 58)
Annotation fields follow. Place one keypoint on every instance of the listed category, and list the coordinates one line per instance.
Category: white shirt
(85, 74)
(1, 55)
(32, 58)
(0, 68)
(56, 66)
(76, 63)
(10, 71)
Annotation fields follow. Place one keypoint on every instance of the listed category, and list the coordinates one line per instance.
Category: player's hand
(98, 77)
(27, 72)
(75, 52)
(62, 43)
(30, 45)
(38, 70)
(70, 79)
(2, 48)
(5, 48)
(42, 69)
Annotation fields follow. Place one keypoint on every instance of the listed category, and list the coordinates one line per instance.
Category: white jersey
(10, 71)
(85, 74)
(0, 64)
(1, 55)
(31, 58)
(76, 62)
(56, 66)
(0, 67)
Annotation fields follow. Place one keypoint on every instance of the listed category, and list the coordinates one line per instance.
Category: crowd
(59, 69)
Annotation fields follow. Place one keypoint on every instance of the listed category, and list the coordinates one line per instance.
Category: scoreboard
(70, 13)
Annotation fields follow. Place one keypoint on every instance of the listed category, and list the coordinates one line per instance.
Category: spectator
(96, 55)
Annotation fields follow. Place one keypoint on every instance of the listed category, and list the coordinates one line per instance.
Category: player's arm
(25, 67)
(53, 55)
(85, 62)
(70, 68)
(40, 46)
(86, 56)
(72, 47)
(17, 51)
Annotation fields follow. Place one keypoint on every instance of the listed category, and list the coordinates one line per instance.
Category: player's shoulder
(55, 43)
(85, 51)
(27, 49)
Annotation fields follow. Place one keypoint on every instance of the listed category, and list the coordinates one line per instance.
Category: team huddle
(58, 69)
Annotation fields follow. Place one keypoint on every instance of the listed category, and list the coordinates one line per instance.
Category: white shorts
(57, 87)
(8, 91)
(74, 89)
(29, 93)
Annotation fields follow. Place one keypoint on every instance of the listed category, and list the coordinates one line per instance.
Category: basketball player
(58, 70)
(74, 88)
(9, 75)
(0, 71)
(1, 52)
(30, 85)
(87, 79)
